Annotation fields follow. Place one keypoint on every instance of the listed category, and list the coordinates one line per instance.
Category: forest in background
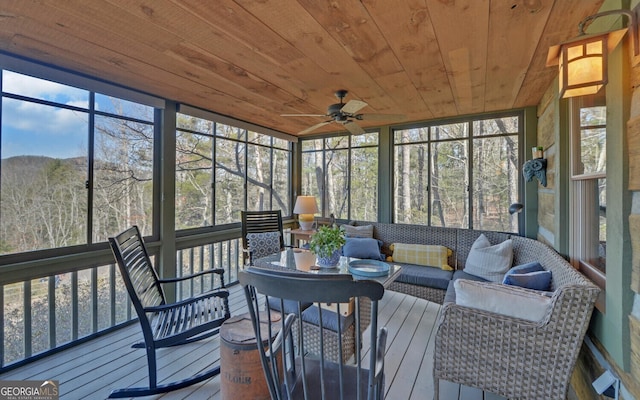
(48, 203)
(458, 175)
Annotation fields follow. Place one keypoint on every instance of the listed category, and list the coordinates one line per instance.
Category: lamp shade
(582, 62)
(583, 67)
(305, 207)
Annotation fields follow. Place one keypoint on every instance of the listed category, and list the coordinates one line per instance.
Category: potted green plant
(326, 244)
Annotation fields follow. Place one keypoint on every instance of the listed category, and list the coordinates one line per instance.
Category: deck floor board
(91, 370)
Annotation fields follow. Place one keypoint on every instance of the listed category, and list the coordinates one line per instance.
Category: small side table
(300, 234)
(241, 374)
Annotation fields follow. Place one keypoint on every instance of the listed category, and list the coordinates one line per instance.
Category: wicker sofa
(429, 283)
(512, 357)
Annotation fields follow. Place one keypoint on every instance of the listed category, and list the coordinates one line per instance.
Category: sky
(35, 129)
(42, 130)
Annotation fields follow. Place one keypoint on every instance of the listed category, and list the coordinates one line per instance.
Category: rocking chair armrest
(181, 303)
(218, 271)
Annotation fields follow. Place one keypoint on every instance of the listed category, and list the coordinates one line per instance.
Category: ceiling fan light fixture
(346, 115)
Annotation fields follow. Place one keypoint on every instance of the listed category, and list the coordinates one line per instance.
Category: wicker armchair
(512, 357)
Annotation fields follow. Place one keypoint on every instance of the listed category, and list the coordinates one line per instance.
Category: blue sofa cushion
(525, 268)
(537, 280)
(530, 275)
(367, 248)
(418, 275)
(329, 318)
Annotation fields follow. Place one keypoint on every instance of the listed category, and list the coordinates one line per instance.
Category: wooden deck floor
(93, 369)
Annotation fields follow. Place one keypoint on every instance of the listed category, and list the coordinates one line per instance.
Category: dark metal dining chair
(290, 370)
(257, 227)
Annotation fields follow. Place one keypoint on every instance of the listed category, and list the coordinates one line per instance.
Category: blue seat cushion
(450, 296)
(290, 306)
(424, 276)
(329, 318)
(460, 274)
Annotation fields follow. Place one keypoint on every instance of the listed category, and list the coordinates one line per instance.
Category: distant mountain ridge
(28, 166)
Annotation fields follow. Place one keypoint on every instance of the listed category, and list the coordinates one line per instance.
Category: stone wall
(633, 141)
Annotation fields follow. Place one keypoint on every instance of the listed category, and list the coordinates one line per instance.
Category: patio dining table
(303, 260)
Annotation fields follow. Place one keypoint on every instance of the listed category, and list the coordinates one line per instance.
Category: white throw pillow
(502, 299)
(487, 261)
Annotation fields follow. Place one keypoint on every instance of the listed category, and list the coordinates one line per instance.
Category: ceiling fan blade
(381, 117)
(354, 128)
(303, 115)
(353, 106)
(314, 127)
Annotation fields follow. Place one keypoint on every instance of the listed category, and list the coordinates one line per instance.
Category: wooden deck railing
(226, 254)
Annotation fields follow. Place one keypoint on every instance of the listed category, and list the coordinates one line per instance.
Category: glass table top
(304, 260)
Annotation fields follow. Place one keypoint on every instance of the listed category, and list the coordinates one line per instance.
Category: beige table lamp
(305, 207)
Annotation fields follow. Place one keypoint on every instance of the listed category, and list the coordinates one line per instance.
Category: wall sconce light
(516, 209)
(582, 61)
(305, 207)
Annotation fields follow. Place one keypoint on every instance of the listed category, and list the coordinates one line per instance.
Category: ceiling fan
(345, 114)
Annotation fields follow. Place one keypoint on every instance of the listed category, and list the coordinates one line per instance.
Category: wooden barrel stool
(241, 375)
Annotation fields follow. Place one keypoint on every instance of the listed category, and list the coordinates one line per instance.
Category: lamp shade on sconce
(305, 207)
(582, 62)
(583, 67)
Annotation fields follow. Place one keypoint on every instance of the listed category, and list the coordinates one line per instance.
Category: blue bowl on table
(369, 268)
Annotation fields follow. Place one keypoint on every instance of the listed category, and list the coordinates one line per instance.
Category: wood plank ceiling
(257, 59)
